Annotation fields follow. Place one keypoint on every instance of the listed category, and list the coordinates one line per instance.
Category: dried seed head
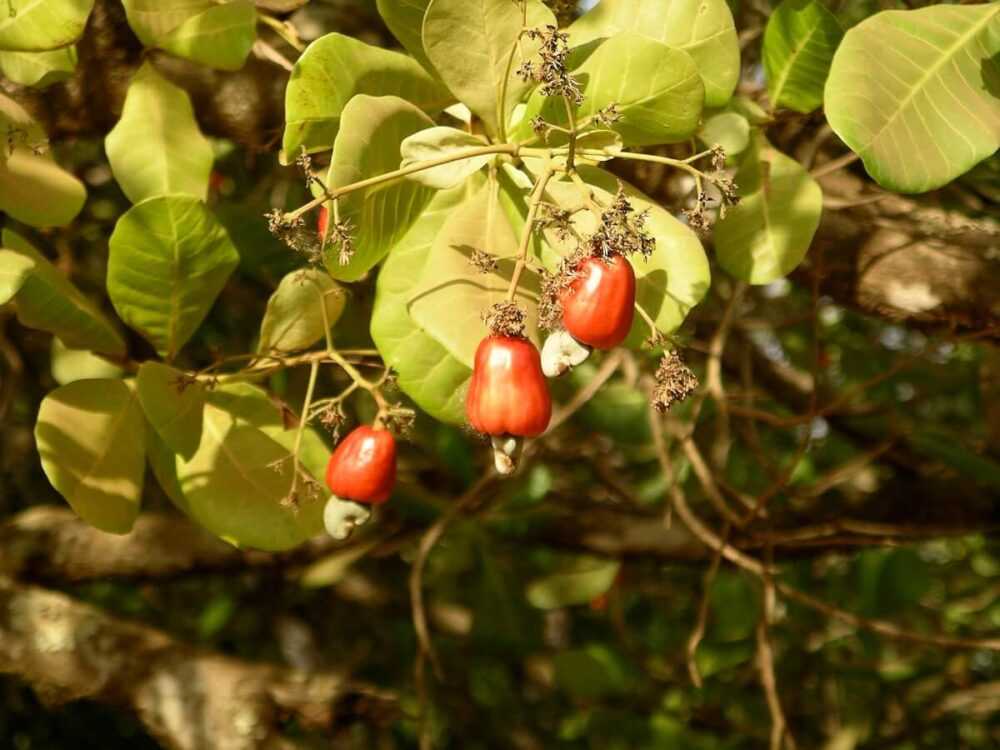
(674, 381)
(505, 319)
(549, 305)
(483, 261)
(622, 231)
(608, 115)
(697, 216)
(559, 220)
(332, 418)
(399, 420)
(294, 233)
(539, 126)
(340, 235)
(551, 72)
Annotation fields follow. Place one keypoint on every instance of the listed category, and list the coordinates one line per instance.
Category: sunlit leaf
(474, 45)
(14, 270)
(426, 372)
(169, 259)
(368, 145)
(727, 129)
(437, 142)
(37, 191)
(156, 147)
(452, 294)
(34, 25)
(294, 317)
(702, 28)
(173, 405)
(405, 19)
(47, 300)
(90, 439)
(767, 235)
(925, 107)
(332, 70)
(38, 69)
(69, 365)
(799, 42)
(655, 88)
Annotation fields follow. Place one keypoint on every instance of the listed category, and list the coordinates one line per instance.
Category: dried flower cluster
(505, 319)
(622, 231)
(549, 307)
(608, 115)
(674, 381)
(483, 261)
(340, 234)
(295, 234)
(551, 71)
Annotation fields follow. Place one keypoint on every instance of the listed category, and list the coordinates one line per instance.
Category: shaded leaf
(173, 405)
(405, 19)
(294, 317)
(437, 142)
(578, 583)
(156, 147)
(767, 235)
(37, 191)
(335, 68)
(799, 42)
(90, 439)
(702, 28)
(368, 145)
(169, 259)
(924, 109)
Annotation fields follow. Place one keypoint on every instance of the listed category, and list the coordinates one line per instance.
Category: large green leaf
(169, 259)
(426, 372)
(294, 318)
(768, 233)
(369, 145)
(727, 129)
(916, 95)
(34, 25)
(656, 89)
(476, 47)
(405, 19)
(38, 69)
(219, 35)
(332, 70)
(702, 28)
(14, 271)
(452, 294)
(37, 191)
(437, 142)
(675, 277)
(173, 405)
(90, 439)
(799, 42)
(47, 300)
(236, 483)
(156, 147)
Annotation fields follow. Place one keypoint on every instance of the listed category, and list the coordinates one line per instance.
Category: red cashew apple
(322, 220)
(363, 466)
(599, 304)
(508, 394)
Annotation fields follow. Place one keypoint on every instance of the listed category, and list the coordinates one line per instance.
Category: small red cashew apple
(361, 471)
(322, 220)
(508, 396)
(599, 303)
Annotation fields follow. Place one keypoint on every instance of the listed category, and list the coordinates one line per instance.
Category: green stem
(303, 419)
(571, 114)
(522, 251)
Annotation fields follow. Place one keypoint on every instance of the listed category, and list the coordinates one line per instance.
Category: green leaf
(335, 68)
(474, 46)
(38, 69)
(90, 439)
(14, 271)
(47, 300)
(768, 233)
(37, 191)
(156, 147)
(923, 109)
(169, 259)
(17, 128)
(173, 405)
(437, 142)
(426, 372)
(294, 317)
(368, 145)
(405, 19)
(671, 282)
(69, 365)
(452, 294)
(799, 42)
(237, 481)
(581, 581)
(203, 31)
(655, 88)
(36, 25)
(727, 129)
(702, 28)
